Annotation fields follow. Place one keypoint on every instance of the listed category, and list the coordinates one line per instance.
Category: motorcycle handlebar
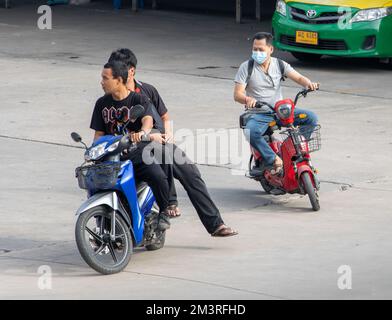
(303, 93)
(260, 104)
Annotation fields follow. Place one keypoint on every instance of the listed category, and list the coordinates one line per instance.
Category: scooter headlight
(97, 151)
(284, 111)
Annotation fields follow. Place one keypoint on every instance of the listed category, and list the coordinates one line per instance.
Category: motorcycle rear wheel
(95, 246)
(310, 191)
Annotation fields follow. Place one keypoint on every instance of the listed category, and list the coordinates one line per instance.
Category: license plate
(306, 37)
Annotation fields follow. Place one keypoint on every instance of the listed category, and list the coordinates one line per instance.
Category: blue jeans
(258, 124)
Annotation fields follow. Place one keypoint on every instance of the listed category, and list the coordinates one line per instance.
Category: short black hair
(119, 70)
(264, 35)
(124, 55)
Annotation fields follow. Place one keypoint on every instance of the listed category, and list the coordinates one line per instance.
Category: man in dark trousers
(186, 172)
(104, 121)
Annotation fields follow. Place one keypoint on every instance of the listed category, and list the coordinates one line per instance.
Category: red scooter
(299, 175)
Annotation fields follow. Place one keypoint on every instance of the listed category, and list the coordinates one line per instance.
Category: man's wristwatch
(145, 136)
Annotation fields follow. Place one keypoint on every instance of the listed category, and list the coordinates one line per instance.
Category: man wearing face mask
(260, 80)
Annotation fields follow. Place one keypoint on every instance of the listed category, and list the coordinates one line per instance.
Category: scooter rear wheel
(92, 233)
(310, 191)
(266, 186)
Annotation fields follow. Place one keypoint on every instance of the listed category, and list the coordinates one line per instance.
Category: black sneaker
(163, 221)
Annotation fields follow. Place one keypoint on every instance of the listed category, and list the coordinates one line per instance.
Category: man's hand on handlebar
(250, 102)
(157, 137)
(139, 136)
(136, 136)
(313, 86)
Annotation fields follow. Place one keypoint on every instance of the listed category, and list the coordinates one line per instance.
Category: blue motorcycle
(120, 213)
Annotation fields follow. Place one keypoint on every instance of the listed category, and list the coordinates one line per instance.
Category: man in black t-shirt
(111, 112)
(186, 172)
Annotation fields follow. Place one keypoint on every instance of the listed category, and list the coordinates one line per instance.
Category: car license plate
(306, 37)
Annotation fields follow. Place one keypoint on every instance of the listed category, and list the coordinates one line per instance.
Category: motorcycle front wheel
(310, 191)
(92, 234)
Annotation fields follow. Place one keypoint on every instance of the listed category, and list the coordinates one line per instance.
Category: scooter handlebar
(303, 93)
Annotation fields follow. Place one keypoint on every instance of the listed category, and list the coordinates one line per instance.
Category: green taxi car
(346, 28)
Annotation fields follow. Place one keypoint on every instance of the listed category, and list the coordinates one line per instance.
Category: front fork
(113, 217)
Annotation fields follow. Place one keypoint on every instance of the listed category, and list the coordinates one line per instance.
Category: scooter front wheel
(92, 234)
(310, 191)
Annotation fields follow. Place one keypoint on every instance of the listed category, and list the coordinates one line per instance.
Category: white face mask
(259, 56)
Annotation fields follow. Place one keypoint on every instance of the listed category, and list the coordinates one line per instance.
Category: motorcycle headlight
(281, 7)
(113, 146)
(371, 14)
(97, 151)
(284, 111)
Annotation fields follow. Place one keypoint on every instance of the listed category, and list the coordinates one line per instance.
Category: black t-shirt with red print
(109, 115)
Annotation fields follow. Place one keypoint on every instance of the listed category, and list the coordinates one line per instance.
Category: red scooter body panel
(290, 182)
(256, 154)
(275, 146)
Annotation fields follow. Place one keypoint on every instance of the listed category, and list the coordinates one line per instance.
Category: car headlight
(97, 151)
(281, 7)
(371, 14)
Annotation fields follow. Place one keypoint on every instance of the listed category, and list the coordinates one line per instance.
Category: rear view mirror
(136, 112)
(76, 137)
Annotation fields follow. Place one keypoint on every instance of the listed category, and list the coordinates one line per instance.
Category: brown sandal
(278, 167)
(173, 211)
(224, 231)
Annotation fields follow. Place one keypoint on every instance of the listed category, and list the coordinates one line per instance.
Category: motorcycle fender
(108, 199)
(305, 168)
